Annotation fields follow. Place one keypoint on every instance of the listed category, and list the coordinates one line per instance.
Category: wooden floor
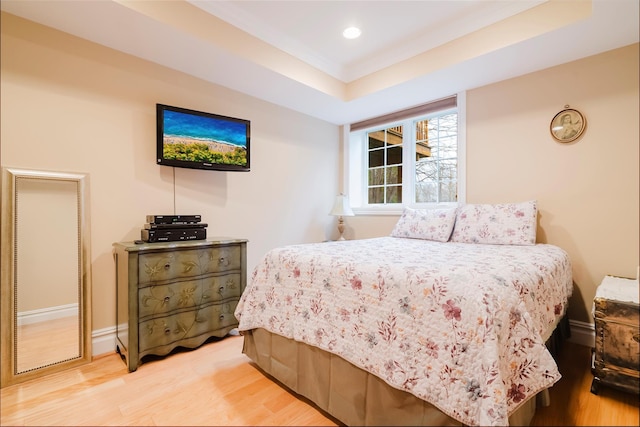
(217, 385)
(572, 403)
(34, 342)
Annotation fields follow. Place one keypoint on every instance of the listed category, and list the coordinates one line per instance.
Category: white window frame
(355, 164)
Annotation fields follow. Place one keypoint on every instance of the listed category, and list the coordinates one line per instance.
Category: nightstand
(616, 356)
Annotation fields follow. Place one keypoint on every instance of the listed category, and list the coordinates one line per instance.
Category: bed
(443, 322)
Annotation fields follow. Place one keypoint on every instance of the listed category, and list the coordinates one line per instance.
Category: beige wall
(587, 191)
(69, 105)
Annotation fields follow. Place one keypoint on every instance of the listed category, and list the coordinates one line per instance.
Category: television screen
(198, 140)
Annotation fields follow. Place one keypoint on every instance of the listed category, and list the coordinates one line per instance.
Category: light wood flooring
(217, 385)
(34, 342)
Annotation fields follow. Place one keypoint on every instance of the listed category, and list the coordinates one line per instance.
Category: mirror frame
(8, 304)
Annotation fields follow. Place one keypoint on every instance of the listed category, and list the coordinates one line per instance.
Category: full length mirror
(46, 274)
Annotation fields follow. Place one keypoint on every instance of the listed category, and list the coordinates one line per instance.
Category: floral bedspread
(459, 325)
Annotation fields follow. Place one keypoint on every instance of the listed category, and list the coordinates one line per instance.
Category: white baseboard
(47, 313)
(103, 341)
(582, 333)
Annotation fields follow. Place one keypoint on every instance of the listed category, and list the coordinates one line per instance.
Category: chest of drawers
(616, 357)
(176, 294)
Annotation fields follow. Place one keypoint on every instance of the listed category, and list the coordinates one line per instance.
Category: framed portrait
(568, 125)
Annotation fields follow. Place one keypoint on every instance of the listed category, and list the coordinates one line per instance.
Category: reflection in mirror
(45, 292)
(47, 281)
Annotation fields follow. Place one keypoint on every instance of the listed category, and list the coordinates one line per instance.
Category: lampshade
(341, 207)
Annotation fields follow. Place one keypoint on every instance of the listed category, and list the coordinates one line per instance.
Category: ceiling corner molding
(544, 18)
(195, 21)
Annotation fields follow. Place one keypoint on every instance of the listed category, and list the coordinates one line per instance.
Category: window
(415, 160)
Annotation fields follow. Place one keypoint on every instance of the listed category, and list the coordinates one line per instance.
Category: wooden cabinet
(616, 356)
(176, 294)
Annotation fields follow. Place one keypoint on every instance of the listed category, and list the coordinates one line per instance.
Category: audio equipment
(173, 234)
(172, 219)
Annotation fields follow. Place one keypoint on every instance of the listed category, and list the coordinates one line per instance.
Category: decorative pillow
(428, 224)
(499, 224)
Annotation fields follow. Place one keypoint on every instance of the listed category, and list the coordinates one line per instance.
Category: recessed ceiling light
(352, 33)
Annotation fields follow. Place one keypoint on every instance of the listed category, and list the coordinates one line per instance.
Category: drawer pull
(636, 337)
(222, 260)
(167, 266)
(221, 290)
(167, 331)
(166, 299)
(222, 317)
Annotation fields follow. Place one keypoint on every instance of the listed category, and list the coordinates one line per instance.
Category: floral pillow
(428, 224)
(499, 224)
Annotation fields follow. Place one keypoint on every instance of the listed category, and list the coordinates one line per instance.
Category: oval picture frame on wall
(568, 125)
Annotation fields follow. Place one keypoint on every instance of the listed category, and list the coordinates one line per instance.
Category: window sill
(397, 210)
(371, 211)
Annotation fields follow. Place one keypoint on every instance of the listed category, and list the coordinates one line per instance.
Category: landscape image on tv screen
(198, 138)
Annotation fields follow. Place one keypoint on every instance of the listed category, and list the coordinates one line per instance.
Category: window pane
(376, 140)
(421, 131)
(394, 194)
(426, 171)
(448, 142)
(376, 176)
(447, 153)
(448, 191)
(449, 122)
(426, 192)
(394, 175)
(435, 152)
(422, 151)
(448, 169)
(376, 195)
(376, 158)
(394, 155)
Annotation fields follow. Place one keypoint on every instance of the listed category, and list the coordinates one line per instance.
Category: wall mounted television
(199, 140)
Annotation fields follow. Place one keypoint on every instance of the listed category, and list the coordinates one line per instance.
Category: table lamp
(341, 208)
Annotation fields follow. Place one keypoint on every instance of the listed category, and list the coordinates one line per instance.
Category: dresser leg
(595, 385)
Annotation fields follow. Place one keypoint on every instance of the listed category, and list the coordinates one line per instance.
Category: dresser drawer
(617, 344)
(171, 330)
(164, 266)
(157, 300)
(616, 311)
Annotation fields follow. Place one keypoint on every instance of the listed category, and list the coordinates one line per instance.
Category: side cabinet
(176, 294)
(616, 356)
